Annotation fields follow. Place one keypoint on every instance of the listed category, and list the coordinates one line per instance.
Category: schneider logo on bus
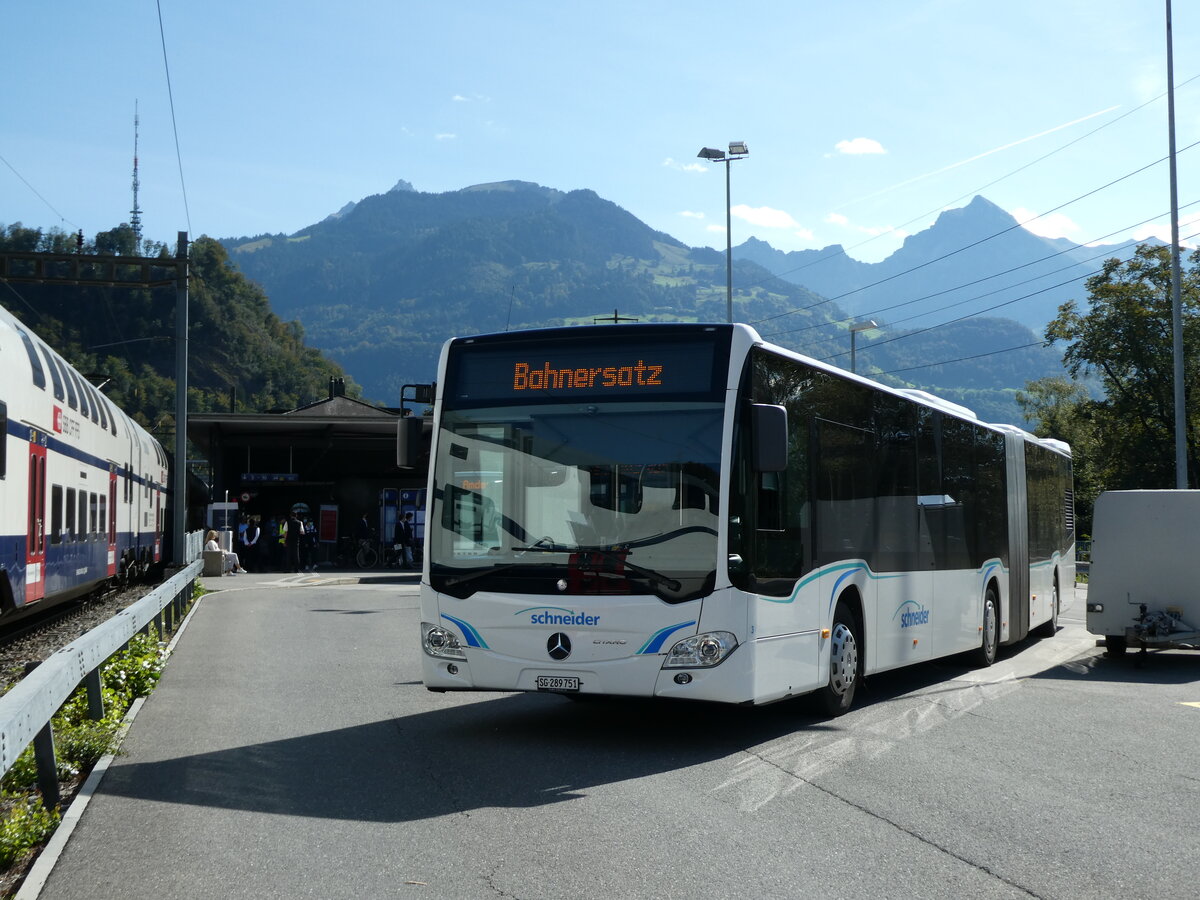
(527, 378)
(559, 616)
(913, 614)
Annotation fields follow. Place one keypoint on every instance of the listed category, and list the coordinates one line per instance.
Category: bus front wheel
(990, 630)
(845, 669)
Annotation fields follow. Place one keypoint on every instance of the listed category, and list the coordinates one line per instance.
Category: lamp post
(854, 330)
(737, 150)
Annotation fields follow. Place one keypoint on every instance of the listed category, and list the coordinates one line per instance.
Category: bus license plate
(556, 683)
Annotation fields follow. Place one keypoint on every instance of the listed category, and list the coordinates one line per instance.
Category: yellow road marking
(1197, 705)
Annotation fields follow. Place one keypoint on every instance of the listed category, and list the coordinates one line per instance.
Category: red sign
(327, 525)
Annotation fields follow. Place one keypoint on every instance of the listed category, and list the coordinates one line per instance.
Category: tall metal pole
(1181, 474)
(728, 249)
(179, 474)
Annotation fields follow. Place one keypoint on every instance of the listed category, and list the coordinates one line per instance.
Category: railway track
(37, 637)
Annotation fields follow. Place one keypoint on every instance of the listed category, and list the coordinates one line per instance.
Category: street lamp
(854, 330)
(737, 150)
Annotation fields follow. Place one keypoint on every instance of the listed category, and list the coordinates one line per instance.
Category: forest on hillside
(123, 338)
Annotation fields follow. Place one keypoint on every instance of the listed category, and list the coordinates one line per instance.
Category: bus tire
(1049, 628)
(845, 664)
(989, 641)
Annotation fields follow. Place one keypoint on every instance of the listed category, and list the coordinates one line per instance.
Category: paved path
(254, 767)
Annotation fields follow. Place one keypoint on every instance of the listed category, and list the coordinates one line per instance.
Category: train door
(111, 525)
(35, 545)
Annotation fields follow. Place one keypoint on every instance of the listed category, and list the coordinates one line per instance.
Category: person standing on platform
(405, 537)
(293, 538)
(250, 536)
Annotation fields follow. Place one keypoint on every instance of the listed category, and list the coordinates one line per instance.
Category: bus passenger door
(35, 545)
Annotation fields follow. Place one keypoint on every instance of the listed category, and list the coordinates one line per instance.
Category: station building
(333, 460)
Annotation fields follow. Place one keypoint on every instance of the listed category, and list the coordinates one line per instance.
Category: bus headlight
(441, 642)
(702, 650)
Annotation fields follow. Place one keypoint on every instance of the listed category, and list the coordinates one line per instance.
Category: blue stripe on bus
(472, 637)
(654, 644)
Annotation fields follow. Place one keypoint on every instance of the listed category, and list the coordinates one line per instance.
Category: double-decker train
(83, 487)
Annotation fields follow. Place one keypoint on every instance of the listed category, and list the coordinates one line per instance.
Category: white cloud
(675, 164)
(871, 230)
(716, 229)
(688, 214)
(444, 137)
(859, 146)
(459, 98)
(1054, 225)
(764, 216)
(1162, 231)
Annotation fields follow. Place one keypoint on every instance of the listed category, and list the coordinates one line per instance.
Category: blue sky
(863, 119)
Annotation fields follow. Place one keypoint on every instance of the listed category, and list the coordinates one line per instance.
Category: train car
(83, 487)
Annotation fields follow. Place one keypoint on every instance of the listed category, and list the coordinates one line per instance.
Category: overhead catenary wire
(920, 331)
(38, 194)
(845, 251)
(174, 126)
(966, 247)
(950, 290)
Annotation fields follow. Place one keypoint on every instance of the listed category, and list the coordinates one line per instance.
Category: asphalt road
(291, 751)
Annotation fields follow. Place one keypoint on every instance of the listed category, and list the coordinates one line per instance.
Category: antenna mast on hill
(135, 214)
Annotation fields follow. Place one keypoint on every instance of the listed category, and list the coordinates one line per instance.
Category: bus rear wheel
(990, 637)
(845, 667)
(1049, 628)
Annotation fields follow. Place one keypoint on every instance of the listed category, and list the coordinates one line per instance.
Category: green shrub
(27, 824)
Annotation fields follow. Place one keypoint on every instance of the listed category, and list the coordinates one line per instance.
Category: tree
(1063, 409)
(1125, 339)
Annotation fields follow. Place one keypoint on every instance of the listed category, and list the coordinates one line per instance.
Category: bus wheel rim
(843, 662)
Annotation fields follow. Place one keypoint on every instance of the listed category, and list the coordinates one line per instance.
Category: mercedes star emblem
(559, 646)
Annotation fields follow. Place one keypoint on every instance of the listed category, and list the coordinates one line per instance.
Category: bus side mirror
(408, 442)
(770, 431)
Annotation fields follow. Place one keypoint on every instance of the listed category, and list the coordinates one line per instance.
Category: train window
(112, 416)
(55, 376)
(105, 525)
(97, 413)
(83, 404)
(35, 364)
(69, 518)
(3, 439)
(72, 401)
(93, 517)
(82, 533)
(56, 517)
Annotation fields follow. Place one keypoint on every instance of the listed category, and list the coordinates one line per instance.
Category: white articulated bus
(687, 511)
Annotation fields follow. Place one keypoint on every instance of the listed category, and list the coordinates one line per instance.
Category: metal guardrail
(26, 710)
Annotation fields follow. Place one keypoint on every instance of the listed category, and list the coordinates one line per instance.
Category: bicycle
(367, 556)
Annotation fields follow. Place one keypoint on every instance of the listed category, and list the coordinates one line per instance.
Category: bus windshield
(563, 498)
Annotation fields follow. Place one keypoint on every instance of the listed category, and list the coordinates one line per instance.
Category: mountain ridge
(380, 288)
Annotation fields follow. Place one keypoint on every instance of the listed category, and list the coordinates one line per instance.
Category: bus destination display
(680, 368)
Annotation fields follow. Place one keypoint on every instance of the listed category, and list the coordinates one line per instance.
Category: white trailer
(1142, 591)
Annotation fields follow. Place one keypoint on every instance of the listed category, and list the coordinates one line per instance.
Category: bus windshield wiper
(610, 554)
(452, 580)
